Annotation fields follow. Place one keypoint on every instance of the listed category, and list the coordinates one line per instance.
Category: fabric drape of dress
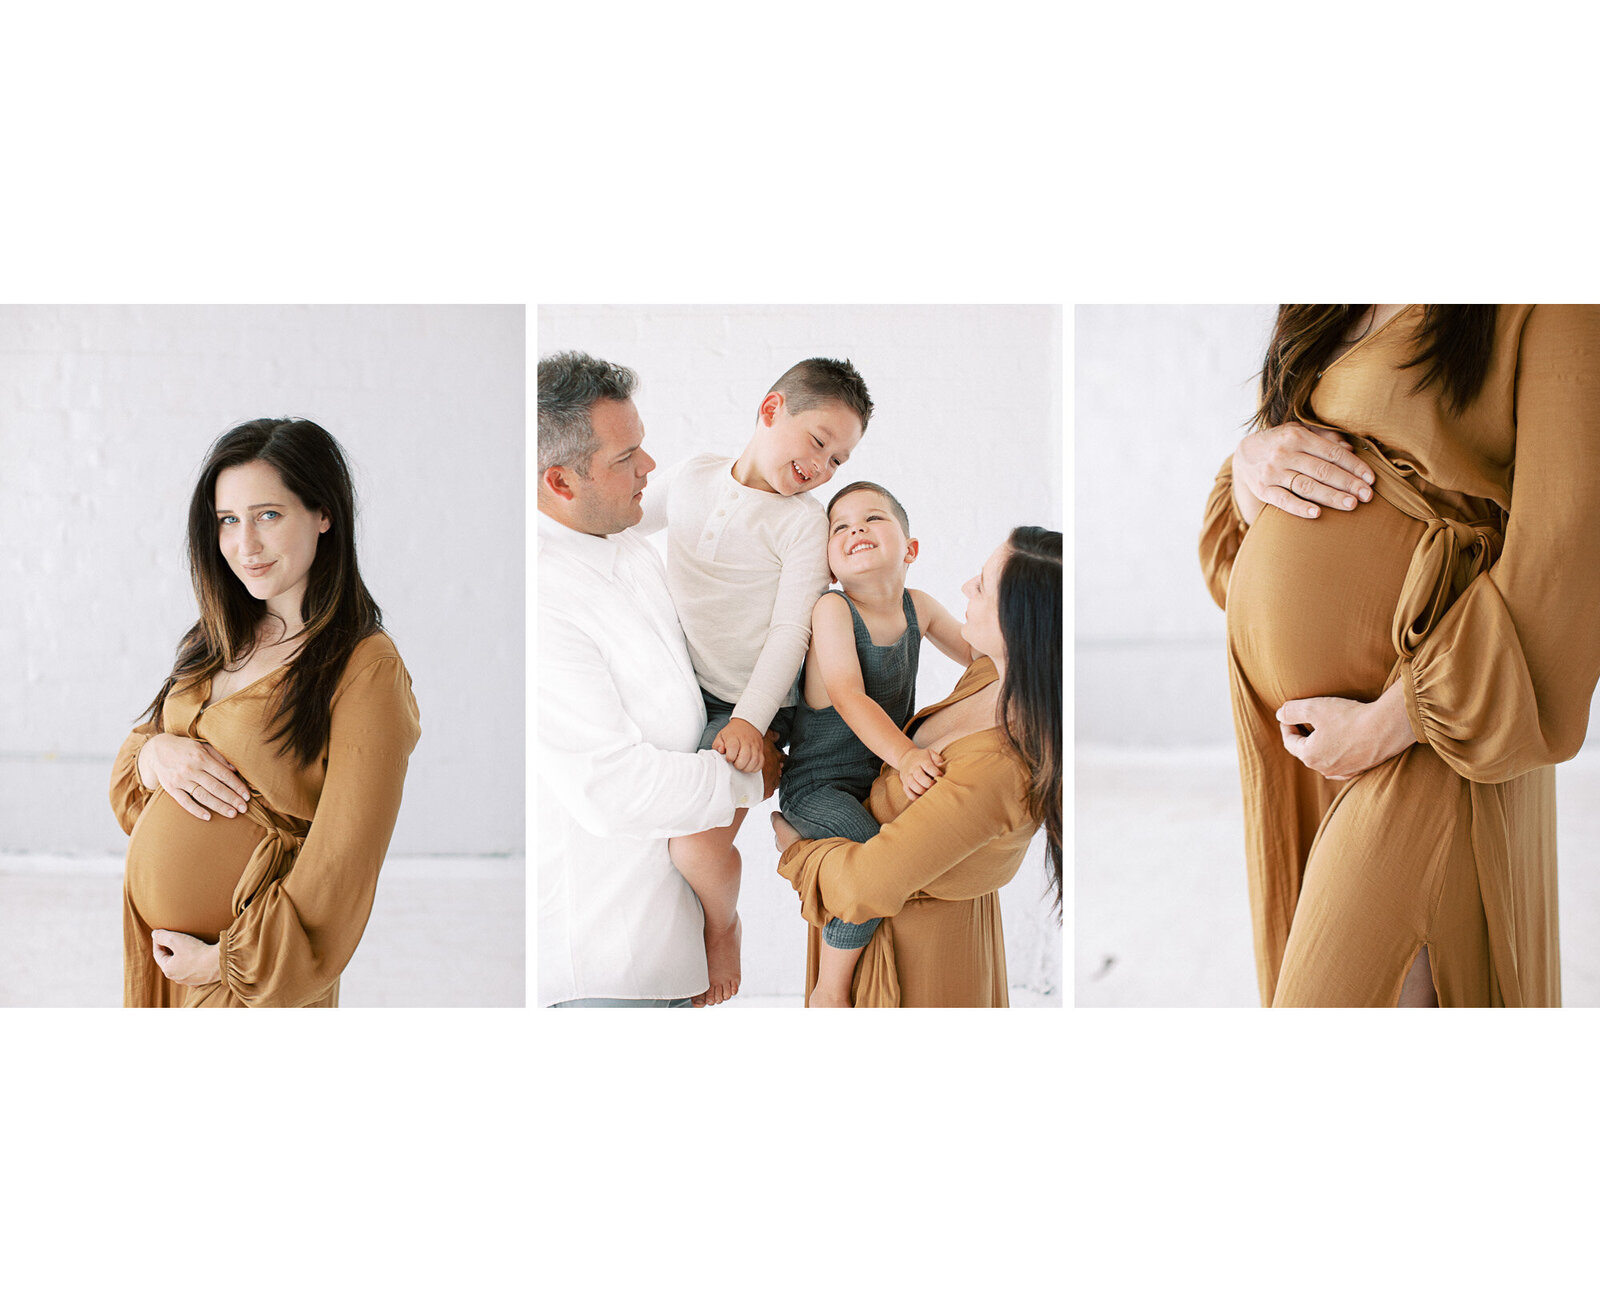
(286, 888)
(934, 872)
(1473, 577)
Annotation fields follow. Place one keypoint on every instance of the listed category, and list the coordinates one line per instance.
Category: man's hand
(185, 959)
(771, 763)
(1340, 738)
(740, 741)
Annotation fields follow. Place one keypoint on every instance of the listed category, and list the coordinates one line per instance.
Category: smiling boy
(746, 561)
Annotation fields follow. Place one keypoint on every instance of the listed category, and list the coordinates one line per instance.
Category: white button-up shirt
(620, 716)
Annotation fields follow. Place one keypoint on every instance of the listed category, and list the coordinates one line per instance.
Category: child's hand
(741, 742)
(919, 769)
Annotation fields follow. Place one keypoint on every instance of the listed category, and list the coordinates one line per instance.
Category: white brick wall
(1161, 393)
(967, 432)
(105, 414)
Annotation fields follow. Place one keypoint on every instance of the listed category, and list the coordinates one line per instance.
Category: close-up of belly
(1311, 602)
(182, 870)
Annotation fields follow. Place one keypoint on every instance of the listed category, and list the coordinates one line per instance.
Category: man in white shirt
(620, 715)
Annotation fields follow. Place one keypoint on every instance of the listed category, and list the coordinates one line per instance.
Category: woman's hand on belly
(1340, 738)
(1297, 468)
(184, 959)
(194, 774)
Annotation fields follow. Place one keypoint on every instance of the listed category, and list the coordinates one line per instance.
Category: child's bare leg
(709, 863)
(836, 968)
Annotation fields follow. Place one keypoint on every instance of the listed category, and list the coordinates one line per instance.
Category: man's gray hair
(569, 384)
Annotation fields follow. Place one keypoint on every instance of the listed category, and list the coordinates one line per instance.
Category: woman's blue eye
(227, 518)
(272, 514)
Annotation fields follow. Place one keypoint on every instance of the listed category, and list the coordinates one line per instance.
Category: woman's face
(982, 626)
(267, 536)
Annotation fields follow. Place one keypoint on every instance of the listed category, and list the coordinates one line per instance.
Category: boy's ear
(770, 407)
(911, 549)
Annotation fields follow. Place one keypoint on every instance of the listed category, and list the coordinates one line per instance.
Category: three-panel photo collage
(715, 656)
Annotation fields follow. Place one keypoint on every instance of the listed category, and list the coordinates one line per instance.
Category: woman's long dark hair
(1453, 346)
(337, 610)
(1029, 605)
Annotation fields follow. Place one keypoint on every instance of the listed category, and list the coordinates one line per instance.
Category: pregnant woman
(940, 859)
(1408, 550)
(261, 793)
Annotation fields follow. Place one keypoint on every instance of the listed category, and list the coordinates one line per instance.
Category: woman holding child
(953, 835)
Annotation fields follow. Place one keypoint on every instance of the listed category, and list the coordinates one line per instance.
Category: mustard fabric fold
(1496, 638)
(933, 872)
(302, 901)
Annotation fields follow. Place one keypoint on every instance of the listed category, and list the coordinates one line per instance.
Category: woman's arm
(1504, 682)
(941, 628)
(290, 944)
(129, 793)
(980, 798)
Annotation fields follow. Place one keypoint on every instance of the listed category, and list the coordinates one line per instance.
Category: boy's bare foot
(823, 997)
(722, 964)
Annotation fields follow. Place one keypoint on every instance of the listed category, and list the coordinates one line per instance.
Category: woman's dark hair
(1029, 606)
(337, 610)
(1453, 345)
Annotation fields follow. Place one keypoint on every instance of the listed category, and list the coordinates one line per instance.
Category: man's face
(611, 497)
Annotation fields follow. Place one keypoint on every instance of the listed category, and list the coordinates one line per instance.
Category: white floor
(1161, 911)
(443, 932)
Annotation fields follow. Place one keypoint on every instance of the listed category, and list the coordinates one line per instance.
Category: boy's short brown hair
(864, 486)
(811, 382)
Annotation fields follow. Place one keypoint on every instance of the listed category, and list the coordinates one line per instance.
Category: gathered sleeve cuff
(128, 795)
(976, 801)
(290, 943)
(1504, 682)
(1221, 534)
(777, 669)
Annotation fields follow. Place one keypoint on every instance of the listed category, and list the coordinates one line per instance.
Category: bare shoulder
(830, 604)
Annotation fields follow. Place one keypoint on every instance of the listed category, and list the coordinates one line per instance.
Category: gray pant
(831, 812)
(609, 1002)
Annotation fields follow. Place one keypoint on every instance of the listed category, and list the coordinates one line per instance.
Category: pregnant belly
(182, 870)
(1311, 602)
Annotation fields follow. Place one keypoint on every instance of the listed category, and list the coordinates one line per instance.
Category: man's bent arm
(595, 760)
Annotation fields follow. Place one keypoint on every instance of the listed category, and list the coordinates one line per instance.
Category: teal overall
(830, 772)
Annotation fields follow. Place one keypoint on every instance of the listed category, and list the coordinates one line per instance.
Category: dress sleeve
(593, 757)
(128, 795)
(803, 579)
(289, 945)
(976, 801)
(1221, 534)
(1503, 684)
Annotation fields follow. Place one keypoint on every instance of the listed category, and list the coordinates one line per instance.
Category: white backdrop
(105, 415)
(967, 433)
(1161, 394)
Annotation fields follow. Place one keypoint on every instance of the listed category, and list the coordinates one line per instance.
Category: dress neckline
(1362, 340)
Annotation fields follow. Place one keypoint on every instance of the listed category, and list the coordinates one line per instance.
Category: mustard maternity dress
(285, 888)
(935, 870)
(1473, 576)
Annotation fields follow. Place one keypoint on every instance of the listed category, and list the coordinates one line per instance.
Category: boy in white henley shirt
(746, 562)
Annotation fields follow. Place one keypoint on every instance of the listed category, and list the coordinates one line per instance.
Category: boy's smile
(864, 536)
(797, 452)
